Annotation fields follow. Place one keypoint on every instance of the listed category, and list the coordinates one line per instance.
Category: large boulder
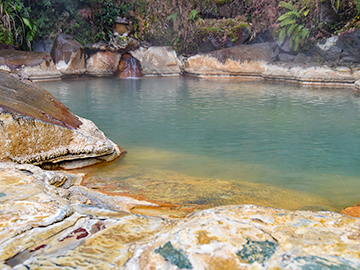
(102, 63)
(38, 129)
(243, 60)
(36, 65)
(68, 55)
(340, 49)
(158, 61)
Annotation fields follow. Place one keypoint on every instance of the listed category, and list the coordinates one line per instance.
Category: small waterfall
(129, 67)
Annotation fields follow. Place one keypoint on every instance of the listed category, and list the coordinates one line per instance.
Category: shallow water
(300, 138)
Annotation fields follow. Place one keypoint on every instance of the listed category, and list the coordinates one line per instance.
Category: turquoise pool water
(297, 137)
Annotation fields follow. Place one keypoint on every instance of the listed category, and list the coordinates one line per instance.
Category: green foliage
(292, 25)
(193, 14)
(15, 25)
(172, 17)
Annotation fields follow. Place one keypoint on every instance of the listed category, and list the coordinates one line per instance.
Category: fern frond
(287, 5)
(291, 28)
(305, 33)
(289, 21)
(297, 42)
(282, 35)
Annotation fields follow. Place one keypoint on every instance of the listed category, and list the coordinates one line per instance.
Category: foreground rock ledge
(51, 225)
(38, 129)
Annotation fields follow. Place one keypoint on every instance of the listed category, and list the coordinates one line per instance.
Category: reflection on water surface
(225, 138)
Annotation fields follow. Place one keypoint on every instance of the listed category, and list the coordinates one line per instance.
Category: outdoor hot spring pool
(202, 143)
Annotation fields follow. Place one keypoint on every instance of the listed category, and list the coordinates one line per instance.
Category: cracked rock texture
(42, 230)
(36, 128)
(254, 237)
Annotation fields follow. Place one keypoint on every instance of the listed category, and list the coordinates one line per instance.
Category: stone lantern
(122, 27)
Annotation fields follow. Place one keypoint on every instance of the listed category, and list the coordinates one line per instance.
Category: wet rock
(158, 61)
(102, 63)
(129, 67)
(244, 60)
(353, 211)
(37, 65)
(68, 55)
(253, 237)
(192, 193)
(36, 128)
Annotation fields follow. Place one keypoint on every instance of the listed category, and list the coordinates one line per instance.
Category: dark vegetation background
(182, 24)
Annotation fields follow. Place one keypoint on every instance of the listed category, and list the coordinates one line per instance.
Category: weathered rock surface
(353, 211)
(40, 229)
(357, 84)
(158, 61)
(310, 74)
(36, 128)
(102, 63)
(68, 55)
(27, 202)
(36, 65)
(240, 61)
(340, 49)
(252, 237)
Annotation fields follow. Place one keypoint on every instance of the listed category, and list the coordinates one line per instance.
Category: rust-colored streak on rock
(129, 67)
(352, 211)
(15, 59)
(29, 99)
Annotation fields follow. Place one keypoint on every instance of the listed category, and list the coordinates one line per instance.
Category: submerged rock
(37, 65)
(36, 128)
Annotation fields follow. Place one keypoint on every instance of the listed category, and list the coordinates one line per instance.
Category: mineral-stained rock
(36, 128)
(253, 237)
(129, 67)
(158, 61)
(244, 60)
(309, 74)
(353, 211)
(102, 63)
(37, 65)
(96, 244)
(68, 55)
(26, 202)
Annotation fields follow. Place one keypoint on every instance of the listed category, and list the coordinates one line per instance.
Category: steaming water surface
(302, 138)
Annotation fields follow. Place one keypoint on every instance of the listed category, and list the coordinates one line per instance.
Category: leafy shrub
(16, 28)
(293, 25)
